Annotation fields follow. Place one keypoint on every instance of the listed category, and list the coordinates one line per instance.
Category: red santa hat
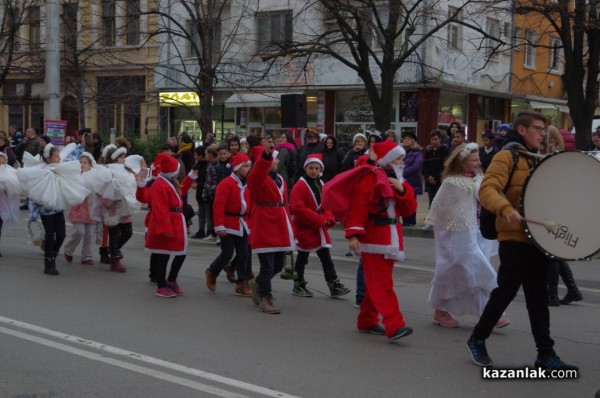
(387, 151)
(238, 160)
(169, 166)
(315, 158)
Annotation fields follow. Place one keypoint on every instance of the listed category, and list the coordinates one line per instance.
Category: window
(454, 30)
(108, 23)
(555, 64)
(516, 40)
(491, 43)
(69, 27)
(34, 28)
(194, 41)
(133, 22)
(273, 29)
(529, 49)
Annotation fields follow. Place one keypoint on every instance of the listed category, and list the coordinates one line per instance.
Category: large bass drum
(563, 192)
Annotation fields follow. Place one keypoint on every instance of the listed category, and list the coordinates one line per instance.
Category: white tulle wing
(125, 187)
(57, 186)
(134, 163)
(29, 160)
(10, 189)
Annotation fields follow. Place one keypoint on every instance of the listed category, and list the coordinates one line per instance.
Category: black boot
(553, 283)
(104, 257)
(50, 266)
(573, 293)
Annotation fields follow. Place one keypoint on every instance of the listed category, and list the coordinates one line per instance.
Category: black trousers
(55, 233)
(521, 264)
(229, 244)
(270, 265)
(158, 268)
(118, 236)
(326, 263)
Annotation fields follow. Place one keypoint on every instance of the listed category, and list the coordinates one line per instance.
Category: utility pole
(52, 102)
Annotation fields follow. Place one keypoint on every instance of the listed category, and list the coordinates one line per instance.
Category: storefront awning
(254, 100)
(542, 105)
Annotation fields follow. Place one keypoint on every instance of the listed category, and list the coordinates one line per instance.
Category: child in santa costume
(166, 228)
(311, 226)
(231, 208)
(374, 229)
(272, 234)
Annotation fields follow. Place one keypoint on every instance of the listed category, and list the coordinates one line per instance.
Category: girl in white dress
(464, 276)
(9, 194)
(54, 186)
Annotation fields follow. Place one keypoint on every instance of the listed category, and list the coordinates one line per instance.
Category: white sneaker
(427, 227)
(210, 238)
(217, 240)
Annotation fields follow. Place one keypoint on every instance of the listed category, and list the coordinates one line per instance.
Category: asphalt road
(93, 333)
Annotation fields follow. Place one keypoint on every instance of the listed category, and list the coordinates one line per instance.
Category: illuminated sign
(179, 99)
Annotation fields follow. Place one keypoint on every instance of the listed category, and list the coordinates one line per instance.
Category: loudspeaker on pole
(293, 110)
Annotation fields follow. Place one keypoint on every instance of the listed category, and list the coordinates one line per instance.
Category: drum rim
(522, 208)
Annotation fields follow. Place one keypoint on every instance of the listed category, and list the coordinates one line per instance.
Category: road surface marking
(267, 392)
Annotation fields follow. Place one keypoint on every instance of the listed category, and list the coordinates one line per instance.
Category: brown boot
(211, 281)
(266, 305)
(229, 272)
(243, 289)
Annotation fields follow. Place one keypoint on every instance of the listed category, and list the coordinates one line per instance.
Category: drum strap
(515, 155)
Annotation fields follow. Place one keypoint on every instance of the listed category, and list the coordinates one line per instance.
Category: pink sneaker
(87, 261)
(165, 292)
(175, 288)
(443, 318)
(502, 322)
(68, 258)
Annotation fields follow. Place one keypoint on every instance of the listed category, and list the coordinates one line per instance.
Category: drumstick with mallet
(548, 224)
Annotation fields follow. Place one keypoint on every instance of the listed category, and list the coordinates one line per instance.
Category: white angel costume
(55, 186)
(10, 189)
(122, 193)
(464, 276)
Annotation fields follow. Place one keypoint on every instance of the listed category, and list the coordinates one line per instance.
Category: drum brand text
(562, 232)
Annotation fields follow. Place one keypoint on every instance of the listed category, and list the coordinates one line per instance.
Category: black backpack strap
(515, 155)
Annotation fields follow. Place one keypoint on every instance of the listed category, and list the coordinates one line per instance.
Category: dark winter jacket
(349, 160)
(332, 160)
(433, 163)
(303, 154)
(485, 157)
(413, 161)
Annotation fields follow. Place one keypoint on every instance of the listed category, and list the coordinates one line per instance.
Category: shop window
(453, 108)
(408, 107)
(37, 117)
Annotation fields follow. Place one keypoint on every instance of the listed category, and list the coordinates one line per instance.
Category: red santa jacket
(270, 217)
(369, 207)
(142, 194)
(164, 217)
(231, 206)
(308, 223)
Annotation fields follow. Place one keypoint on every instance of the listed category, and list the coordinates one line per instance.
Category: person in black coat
(436, 154)
(332, 159)
(487, 151)
(311, 145)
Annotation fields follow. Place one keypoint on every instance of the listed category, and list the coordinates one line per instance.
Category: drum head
(563, 192)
